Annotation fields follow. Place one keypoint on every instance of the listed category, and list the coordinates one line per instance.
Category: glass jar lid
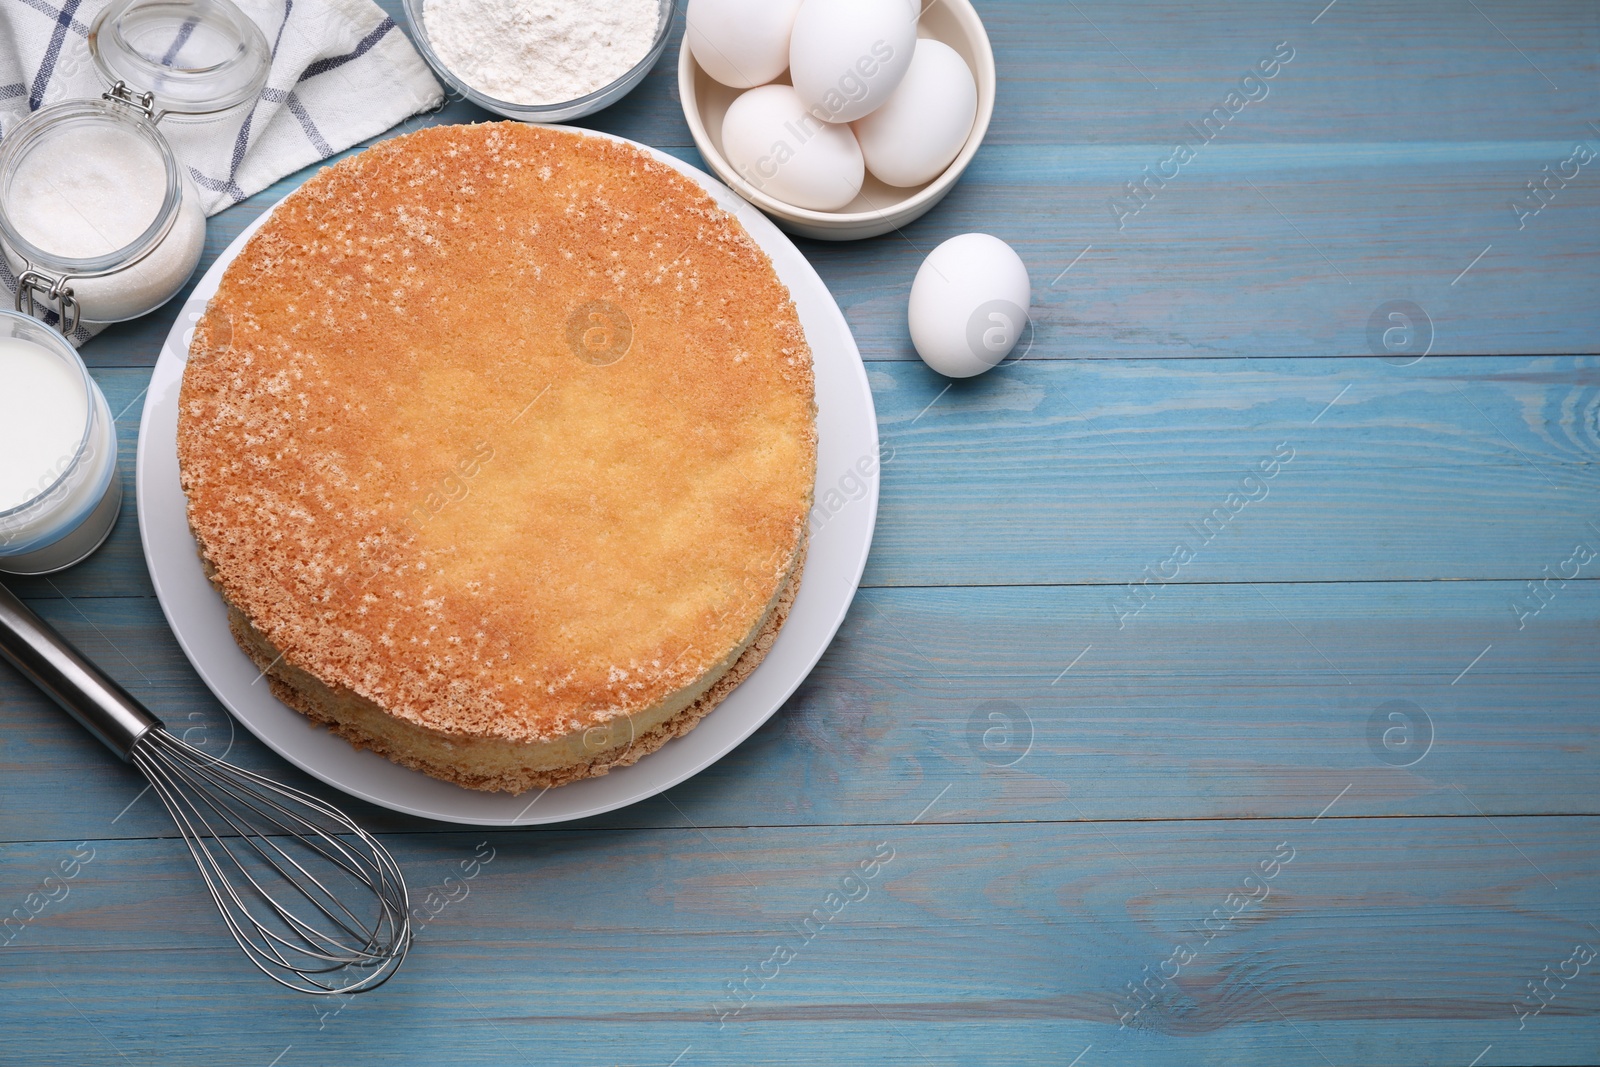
(194, 57)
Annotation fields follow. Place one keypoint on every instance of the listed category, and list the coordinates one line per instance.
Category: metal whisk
(284, 868)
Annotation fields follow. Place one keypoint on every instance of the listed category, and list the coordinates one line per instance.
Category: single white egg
(790, 155)
(847, 56)
(921, 128)
(969, 304)
(742, 43)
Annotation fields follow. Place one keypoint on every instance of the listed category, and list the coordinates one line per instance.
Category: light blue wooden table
(1324, 788)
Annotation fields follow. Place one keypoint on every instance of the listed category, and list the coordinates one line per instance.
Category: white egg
(790, 155)
(969, 304)
(742, 43)
(921, 128)
(847, 56)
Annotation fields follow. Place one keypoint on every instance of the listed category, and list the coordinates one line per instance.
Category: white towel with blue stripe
(342, 72)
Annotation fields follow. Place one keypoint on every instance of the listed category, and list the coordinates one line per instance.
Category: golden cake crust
(506, 431)
(347, 716)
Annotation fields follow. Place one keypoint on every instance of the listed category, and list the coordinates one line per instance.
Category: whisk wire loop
(220, 781)
(244, 830)
(185, 812)
(256, 842)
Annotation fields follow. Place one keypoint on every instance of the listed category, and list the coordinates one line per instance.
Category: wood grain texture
(1023, 934)
(1245, 700)
(1076, 745)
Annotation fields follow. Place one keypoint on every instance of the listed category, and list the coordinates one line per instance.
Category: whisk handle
(104, 708)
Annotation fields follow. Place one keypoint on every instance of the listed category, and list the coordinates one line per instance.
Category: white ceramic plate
(847, 495)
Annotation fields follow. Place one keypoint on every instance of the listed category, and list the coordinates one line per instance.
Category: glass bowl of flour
(541, 60)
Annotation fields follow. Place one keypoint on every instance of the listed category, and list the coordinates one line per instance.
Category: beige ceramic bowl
(880, 208)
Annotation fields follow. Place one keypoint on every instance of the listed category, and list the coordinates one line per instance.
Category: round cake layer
(491, 764)
(500, 438)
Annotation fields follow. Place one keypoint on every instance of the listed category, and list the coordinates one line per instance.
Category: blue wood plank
(1238, 700)
(977, 944)
(1089, 473)
(1427, 70)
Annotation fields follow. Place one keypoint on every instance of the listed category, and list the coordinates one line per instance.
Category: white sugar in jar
(95, 211)
(59, 490)
(99, 222)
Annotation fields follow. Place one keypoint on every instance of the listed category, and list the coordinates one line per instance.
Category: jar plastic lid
(197, 57)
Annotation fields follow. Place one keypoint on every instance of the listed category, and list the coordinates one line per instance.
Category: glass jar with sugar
(99, 221)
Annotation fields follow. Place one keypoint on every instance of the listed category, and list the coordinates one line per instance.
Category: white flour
(540, 51)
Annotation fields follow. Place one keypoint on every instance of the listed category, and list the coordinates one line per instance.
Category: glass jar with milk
(59, 491)
(99, 221)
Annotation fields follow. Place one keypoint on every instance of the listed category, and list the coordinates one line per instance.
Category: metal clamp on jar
(99, 221)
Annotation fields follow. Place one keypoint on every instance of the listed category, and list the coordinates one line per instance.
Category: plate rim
(765, 234)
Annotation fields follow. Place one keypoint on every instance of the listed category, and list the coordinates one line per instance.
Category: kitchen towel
(342, 72)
